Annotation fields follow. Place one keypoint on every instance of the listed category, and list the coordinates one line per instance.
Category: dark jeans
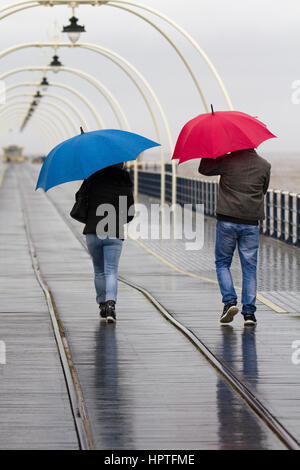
(246, 237)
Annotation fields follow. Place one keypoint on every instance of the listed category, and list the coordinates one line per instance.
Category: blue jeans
(105, 254)
(246, 237)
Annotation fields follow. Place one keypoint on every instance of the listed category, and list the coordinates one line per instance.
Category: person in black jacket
(110, 203)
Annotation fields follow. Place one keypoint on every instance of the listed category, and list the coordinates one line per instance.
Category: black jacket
(244, 181)
(112, 186)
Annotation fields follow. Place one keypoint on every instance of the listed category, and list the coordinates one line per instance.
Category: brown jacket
(244, 180)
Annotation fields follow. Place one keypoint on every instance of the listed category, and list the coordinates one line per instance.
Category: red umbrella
(214, 134)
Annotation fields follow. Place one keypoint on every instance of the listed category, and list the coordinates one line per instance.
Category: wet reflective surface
(34, 404)
(144, 384)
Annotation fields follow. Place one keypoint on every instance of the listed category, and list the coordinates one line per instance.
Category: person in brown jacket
(244, 181)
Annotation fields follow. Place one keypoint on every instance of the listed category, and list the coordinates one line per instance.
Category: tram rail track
(78, 409)
(82, 426)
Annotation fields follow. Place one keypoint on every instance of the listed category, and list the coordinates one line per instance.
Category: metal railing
(282, 208)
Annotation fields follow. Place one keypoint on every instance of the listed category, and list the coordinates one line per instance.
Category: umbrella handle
(212, 109)
(81, 130)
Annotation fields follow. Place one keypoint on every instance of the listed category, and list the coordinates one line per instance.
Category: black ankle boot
(110, 311)
(102, 311)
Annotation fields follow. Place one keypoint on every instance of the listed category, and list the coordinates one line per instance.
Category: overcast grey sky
(254, 44)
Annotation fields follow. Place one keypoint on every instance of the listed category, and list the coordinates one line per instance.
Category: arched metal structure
(109, 97)
(57, 116)
(11, 116)
(115, 58)
(103, 90)
(73, 128)
(61, 99)
(98, 118)
(22, 5)
(43, 118)
(59, 132)
(17, 113)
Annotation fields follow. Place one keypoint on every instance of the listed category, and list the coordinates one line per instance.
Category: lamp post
(73, 108)
(44, 84)
(62, 117)
(75, 93)
(73, 30)
(109, 97)
(55, 63)
(30, 112)
(124, 66)
(37, 96)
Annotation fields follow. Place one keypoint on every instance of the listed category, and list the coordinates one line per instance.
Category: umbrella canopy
(214, 134)
(81, 156)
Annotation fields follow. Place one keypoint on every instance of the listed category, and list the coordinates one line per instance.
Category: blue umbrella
(81, 156)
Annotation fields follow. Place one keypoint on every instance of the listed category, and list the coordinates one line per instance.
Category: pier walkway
(167, 375)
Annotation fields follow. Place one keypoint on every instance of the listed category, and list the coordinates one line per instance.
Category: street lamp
(73, 29)
(33, 104)
(44, 84)
(55, 63)
(37, 96)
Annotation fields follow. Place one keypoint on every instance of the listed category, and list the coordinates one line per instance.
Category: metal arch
(46, 121)
(15, 4)
(47, 139)
(114, 57)
(59, 98)
(16, 10)
(98, 118)
(58, 133)
(112, 101)
(57, 116)
(36, 121)
(149, 107)
(110, 98)
(169, 21)
(93, 111)
(70, 104)
(14, 117)
(42, 127)
(175, 48)
(68, 117)
(44, 118)
(45, 114)
(107, 53)
(106, 93)
(113, 3)
(185, 34)
(186, 63)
